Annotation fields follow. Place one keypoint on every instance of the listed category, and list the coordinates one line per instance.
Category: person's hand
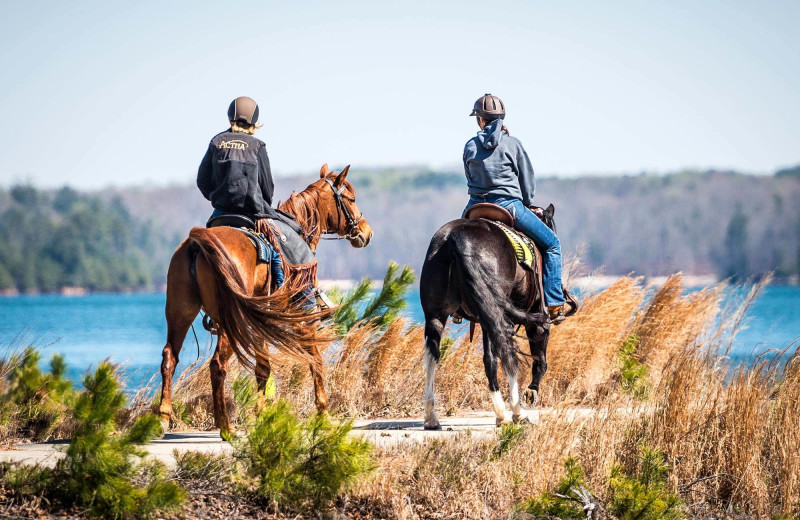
(539, 212)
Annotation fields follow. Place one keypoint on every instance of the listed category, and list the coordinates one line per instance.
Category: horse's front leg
(263, 373)
(219, 371)
(538, 343)
(320, 397)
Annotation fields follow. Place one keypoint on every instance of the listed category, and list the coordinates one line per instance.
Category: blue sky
(111, 93)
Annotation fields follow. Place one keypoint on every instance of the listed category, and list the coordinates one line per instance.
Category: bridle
(342, 209)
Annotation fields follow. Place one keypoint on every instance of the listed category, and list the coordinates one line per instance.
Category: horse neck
(308, 209)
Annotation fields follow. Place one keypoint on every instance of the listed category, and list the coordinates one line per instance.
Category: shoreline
(590, 282)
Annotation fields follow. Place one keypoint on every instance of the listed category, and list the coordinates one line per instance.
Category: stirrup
(323, 300)
(570, 302)
(457, 318)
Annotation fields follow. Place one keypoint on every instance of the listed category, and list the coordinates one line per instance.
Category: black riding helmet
(243, 109)
(489, 108)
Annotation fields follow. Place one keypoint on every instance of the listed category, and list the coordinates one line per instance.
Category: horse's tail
(252, 323)
(489, 298)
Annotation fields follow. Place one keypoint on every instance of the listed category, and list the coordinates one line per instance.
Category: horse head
(547, 217)
(338, 211)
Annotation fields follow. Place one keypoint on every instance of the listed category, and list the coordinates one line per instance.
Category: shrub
(645, 495)
(36, 403)
(205, 470)
(99, 471)
(633, 374)
(301, 463)
(507, 438)
(570, 500)
(382, 309)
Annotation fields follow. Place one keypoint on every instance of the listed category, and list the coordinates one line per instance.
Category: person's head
(488, 108)
(243, 115)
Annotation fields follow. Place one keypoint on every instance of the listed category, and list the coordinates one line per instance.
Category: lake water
(131, 328)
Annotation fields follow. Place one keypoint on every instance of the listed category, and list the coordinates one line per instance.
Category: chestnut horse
(216, 270)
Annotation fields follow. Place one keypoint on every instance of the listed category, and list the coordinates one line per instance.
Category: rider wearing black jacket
(235, 174)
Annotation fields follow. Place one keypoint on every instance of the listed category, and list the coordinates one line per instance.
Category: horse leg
(263, 371)
(181, 308)
(538, 343)
(518, 414)
(490, 367)
(219, 370)
(433, 338)
(320, 398)
(176, 333)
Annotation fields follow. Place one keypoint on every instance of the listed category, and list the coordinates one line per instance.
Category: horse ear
(324, 171)
(550, 211)
(340, 178)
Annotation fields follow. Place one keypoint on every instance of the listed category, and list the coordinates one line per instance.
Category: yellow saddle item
(524, 249)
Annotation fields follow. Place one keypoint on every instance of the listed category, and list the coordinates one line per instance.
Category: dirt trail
(378, 431)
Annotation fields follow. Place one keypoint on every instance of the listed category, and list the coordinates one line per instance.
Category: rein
(342, 209)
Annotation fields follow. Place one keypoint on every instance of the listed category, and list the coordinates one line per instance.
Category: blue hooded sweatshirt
(496, 163)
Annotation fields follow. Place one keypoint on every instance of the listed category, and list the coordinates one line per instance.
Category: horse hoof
(164, 426)
(521, 419)
(499, 421)
(531, 396)
(432, 426)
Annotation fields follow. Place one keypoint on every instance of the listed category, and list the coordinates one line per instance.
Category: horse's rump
(252, 322)
(473, 264)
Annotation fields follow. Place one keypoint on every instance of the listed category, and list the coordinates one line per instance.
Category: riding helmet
(244, 109)
(489, 107)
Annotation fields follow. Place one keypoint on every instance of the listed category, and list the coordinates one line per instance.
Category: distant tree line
(55, 239)
(714, 222)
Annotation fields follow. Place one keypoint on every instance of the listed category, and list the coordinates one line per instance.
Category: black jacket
(235, 175)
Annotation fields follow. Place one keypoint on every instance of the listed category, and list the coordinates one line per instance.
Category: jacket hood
(491, 135)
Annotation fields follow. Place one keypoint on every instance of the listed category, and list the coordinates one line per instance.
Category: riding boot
(556, 313)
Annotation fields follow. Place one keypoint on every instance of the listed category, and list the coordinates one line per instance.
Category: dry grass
(373, 372)
(731, 439)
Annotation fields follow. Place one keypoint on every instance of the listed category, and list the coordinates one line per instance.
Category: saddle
(527, 254)
(286, 236)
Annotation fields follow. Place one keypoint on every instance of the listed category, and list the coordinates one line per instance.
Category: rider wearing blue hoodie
(499, 171)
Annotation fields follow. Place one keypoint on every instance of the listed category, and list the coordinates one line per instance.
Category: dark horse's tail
(489, 299)
(252, 323)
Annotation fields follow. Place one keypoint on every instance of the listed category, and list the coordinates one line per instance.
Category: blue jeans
(544, 238)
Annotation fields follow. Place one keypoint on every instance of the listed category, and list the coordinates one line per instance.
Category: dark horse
(470, 268)
(216, 270)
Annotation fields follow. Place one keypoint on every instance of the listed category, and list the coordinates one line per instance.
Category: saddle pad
(524, 249)
(295, 250)
(262, 246)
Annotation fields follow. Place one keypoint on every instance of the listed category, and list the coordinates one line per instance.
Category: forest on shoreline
(706, 223)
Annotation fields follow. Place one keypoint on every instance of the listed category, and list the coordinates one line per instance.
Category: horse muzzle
(363, 238)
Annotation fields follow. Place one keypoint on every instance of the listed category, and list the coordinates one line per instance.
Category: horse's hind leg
(181, 308)
(490, 367)
(518, 414)
(538, 343)
(176, 332)
(433, 339)
(219, 371)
